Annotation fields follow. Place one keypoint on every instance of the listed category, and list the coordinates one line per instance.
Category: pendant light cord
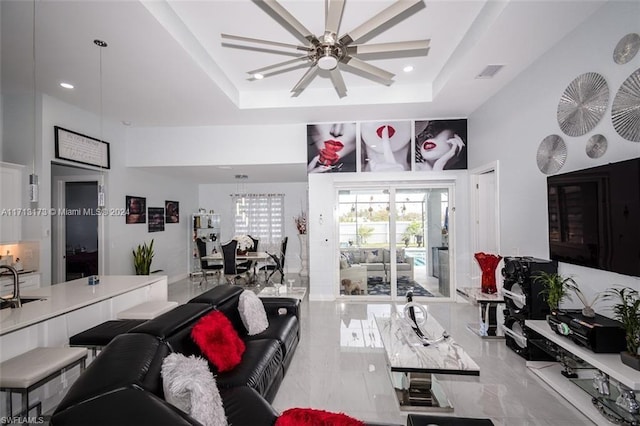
(35, 120)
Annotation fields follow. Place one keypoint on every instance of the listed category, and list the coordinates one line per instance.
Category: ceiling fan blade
(369, 71)
(278, 65)
(338, 82)
(388, 17)
(268, 42)
(402, 48)
(287, 20)
(282, 70)
(305, 80)
(333, 15)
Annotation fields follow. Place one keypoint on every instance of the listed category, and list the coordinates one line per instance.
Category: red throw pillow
(312, 417)
(218, 340)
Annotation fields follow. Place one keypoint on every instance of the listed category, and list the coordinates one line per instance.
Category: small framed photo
(156, 219)
(136, 209)
(172, 212)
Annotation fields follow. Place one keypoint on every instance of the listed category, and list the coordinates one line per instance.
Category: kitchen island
(71, 307)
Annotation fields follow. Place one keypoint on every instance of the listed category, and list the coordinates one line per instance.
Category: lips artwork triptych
(387, 146)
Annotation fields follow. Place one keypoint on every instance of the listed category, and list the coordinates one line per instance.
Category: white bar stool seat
(147, 310)
(23, 373)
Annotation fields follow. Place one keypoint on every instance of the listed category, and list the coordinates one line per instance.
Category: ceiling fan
(331, 53)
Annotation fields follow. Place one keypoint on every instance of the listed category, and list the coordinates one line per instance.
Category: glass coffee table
(413, 365)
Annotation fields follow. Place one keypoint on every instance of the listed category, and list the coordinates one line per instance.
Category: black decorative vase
(630, 360)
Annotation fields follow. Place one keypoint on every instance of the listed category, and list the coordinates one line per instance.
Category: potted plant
(626, 309)
(555, 288)
(142, 257)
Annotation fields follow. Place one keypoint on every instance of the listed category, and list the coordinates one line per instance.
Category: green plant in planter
(556, 288)
(142, 257)
(626, 309)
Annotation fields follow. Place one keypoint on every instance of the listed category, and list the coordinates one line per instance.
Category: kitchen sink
(6, 303)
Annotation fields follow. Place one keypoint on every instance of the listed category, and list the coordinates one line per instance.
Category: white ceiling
(165, 64)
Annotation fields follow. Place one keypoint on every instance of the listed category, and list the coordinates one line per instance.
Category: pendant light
(33, 177)
(101, 198)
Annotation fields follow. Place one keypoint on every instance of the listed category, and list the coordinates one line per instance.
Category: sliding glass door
(395, 239)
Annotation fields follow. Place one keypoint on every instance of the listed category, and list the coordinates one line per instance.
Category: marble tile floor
(339, 365)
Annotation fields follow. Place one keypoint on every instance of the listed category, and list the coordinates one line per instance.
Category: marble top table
(294, 292)
(405, 352)
(412, 364)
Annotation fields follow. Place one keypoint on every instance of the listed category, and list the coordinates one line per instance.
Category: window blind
(261, 216)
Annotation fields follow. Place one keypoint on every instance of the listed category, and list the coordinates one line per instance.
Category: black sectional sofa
(123, 385)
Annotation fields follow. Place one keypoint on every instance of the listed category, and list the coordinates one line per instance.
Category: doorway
(394, 239)
(485, 214)
(77, 226)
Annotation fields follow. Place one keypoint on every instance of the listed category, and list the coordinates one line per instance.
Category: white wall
(510, 127)
(217, 197)
(171, 246)
(217, 145)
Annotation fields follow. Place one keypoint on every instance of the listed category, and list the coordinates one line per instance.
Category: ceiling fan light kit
(328, 52)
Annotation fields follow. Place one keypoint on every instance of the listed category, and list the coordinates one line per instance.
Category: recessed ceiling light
(224, 167)
(66, 85)
(408, 68)
(126, 122)
(258, 76)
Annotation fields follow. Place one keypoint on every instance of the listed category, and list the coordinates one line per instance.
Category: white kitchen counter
(70, 296)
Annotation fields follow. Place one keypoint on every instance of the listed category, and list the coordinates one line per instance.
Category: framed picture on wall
(331, 147)
(385, 146)
(441, 144)
(79, 148)
(136, 209)
(156, 219)
(172, 212)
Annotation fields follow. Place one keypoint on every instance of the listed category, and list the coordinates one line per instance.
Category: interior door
(77, 228)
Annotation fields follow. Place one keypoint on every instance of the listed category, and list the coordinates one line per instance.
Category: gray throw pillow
(252, 313)
(189, 385)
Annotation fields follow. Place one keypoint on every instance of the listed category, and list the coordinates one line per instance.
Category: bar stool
(147, 310)
(26, 372)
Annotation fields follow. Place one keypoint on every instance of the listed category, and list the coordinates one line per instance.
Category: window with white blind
(261, 216)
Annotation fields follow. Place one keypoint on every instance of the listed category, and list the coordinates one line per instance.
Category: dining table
(250, 255)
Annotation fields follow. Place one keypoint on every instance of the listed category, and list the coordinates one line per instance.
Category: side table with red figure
(488, 264)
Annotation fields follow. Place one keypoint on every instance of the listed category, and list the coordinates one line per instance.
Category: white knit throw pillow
(252, 313)
(189, 385)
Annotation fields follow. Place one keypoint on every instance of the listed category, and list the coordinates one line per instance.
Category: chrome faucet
(15, 299)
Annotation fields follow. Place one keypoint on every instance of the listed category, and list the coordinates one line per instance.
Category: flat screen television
(594, 217)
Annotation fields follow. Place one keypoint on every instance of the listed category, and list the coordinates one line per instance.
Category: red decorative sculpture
(488, 264)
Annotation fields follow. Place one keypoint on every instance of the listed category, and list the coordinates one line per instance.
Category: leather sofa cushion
(244, 406)
(217, 295)
(284, 328)
(427, 420)
(169, 323)
(125, 406)
(130, 359)
(261, 363)
(102, 334)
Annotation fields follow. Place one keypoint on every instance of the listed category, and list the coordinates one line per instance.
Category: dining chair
(204, 265)
(229, 253)
(245, 267)
(278, 261)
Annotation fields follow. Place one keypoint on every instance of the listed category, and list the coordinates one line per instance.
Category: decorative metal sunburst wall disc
(625, 112)
(626, 48)
(583, 104)
(596, 146)
(552, 154)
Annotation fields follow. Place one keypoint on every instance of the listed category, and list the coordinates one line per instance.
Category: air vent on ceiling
(490, 71)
